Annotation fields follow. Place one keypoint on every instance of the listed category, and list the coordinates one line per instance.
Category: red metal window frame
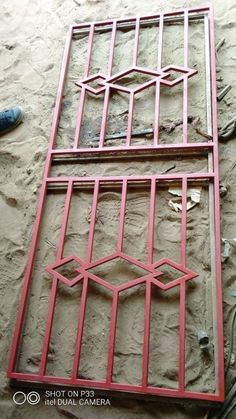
(161, 79)
(152, 277)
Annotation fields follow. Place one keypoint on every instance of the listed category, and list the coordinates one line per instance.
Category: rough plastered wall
(32, 41)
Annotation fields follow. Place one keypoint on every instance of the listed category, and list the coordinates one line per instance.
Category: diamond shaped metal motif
(132, 265)
(146, 272)
(183, 274)
(185, 72)
(113, 81)
(77, 273)
(87, 83)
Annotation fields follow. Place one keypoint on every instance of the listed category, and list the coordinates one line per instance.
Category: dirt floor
(32, 42)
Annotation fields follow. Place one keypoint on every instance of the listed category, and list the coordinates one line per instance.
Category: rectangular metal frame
(115, 24)
(212, 176)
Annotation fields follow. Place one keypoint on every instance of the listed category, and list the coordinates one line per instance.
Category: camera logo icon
(20, 398)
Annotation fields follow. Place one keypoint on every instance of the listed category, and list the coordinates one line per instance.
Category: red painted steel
(152, 268)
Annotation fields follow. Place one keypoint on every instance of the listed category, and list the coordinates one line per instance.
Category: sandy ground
(32, 41)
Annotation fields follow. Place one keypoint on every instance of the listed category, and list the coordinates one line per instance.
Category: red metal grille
(159, 77)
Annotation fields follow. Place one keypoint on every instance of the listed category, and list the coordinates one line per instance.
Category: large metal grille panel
(147, 270)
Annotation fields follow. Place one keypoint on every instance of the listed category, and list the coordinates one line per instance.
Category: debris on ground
(228, 130)
(193, 198)
(228, 244)
(220, 44)
(223, 92)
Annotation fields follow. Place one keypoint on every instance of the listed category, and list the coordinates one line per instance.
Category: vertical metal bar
(182, 307)
(219, 297)
(211, 294)
(146, 334)
(80, 329)
(185, 81)
(184, 222)
(48, 330)
(131, 97)
(122, 216)
(111, 344)
(157, 114)
(83, 92)
(107, 91)
(79, 118)
(64, 221)
(136, 42)
(160, 41)
(104, 117)
(112, 48)
(61, 86)
(89, 50)
(208, 77)
(130, 119)
(26, 285)
(158, 85)
(182, 337)
(92, 221)
(52, 299)
(151, 221)
(210, 284)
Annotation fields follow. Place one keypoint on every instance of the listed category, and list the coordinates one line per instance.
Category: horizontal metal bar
(161, 148)
(168, 16)
(55, 187)
(144, 24)
(74, 158)
(111, 179)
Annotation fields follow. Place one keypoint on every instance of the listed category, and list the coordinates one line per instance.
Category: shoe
(10, 118)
